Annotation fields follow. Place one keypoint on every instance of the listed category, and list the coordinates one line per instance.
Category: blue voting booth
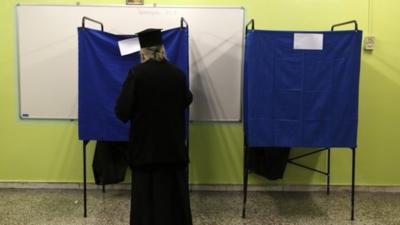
(301, 90)
(301, 98)
(102, 72)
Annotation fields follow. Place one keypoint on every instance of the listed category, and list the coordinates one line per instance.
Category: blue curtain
(102, 71)
(301, 98)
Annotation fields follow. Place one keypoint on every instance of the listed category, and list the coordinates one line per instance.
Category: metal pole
(345, 23)
(245, 182)
(84, 180)
(328, 178)
(94, 21)
(353, 182)
(251, 22)
(183, 21)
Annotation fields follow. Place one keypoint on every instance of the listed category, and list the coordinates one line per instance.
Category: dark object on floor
(268, 162)
(110, 162)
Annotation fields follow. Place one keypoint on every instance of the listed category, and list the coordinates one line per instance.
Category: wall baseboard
(196, 187)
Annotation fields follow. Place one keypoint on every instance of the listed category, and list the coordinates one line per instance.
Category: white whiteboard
(48, 54)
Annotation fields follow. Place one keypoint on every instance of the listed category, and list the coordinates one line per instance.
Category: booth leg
(353, 175)
(328, 176)
(84, 180)
(245, 183)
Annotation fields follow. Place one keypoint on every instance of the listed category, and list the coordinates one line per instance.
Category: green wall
(49, 151)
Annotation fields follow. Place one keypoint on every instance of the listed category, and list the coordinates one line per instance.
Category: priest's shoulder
(137, 69)
(152, 65)
(176, 68)
(141, 66)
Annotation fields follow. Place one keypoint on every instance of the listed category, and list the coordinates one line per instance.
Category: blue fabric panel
(102, 71)
(301, 98)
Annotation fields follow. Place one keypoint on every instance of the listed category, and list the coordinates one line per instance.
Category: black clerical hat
(150, 37)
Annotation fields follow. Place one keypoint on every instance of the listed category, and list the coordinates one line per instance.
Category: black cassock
(154, 98)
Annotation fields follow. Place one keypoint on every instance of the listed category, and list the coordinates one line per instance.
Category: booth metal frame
(292, 160)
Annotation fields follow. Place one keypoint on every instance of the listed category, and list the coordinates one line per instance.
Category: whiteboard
(48, 54)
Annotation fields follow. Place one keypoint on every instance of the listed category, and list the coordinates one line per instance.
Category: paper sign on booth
(307, 41)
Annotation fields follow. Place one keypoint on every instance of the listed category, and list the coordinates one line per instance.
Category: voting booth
(102, 71)
(301, 91)
(103, 68)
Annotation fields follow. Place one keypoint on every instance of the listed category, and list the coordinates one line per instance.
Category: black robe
(160, 195)
(154, 98)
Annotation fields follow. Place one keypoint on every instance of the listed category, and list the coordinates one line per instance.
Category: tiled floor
(60, 207)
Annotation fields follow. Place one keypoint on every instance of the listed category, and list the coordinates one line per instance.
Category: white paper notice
(129, 46)
(307, 41)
